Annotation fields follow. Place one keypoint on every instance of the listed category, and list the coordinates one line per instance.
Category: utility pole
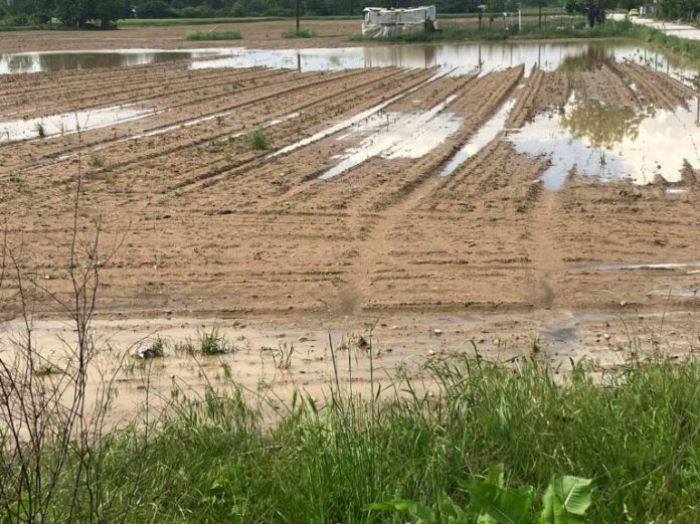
(298, 13)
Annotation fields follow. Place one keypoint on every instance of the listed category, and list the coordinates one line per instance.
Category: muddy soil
(201, 226)
(263, 35)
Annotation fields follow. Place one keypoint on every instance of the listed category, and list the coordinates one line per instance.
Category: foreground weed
(566, 500)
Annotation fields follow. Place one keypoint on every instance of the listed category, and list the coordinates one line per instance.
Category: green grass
(301, 33)
(635, 433)
(258, 140)
(40, 130)
(213, 35)
(689, 49)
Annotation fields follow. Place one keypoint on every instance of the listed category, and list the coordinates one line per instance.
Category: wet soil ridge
(251, 225)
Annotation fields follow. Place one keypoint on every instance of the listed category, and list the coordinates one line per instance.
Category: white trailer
(380, 22)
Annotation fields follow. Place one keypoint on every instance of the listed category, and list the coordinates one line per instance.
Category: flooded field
(542, 189)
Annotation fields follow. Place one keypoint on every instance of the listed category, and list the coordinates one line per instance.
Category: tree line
(104, 13)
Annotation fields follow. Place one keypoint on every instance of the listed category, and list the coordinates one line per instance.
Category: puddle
(488, 132)
(659, 265)
(357, 119)
(398, 135)
(678, 292)
(68, 123)
(612, 142)
(559, 334)
(52, 61)
(463, 58)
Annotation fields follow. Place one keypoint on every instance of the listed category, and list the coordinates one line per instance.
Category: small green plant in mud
(300, 33)
(213, 343)
(17, 179)
(46, 369)
(40, 130)
(213, 35)
(155, 350)
(282, 356)
(258, 140)
(566, 500)
(207, 343)
(98, 161)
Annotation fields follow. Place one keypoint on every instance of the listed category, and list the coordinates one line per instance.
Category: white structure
(380, 22)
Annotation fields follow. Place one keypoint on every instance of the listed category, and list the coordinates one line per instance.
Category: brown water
(52, 61)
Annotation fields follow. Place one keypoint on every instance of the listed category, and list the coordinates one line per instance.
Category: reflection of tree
(590, 60)
(20, 63)
(603, 125)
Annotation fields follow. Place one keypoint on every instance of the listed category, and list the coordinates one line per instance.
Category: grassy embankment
(635, 432)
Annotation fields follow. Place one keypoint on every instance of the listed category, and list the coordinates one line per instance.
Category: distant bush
(213, 35)
(301, 33)
(154, 9)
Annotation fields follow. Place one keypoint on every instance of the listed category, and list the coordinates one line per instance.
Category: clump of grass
(213, 35)
(258, 140)
(40, 129)
(97, 161)
(207, 343)
(17, 179)
(155, 350)
(282, 356)
(213, 343)
(301, 33)
(46, 369)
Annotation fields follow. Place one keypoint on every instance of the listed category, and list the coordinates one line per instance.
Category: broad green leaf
(495, 476)
(415, 509)
(575, 493)
(501, 506)
(565, 501)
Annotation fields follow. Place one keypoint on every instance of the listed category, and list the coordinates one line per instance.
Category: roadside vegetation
(213, 35)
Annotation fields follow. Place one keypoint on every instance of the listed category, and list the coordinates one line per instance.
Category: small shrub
(17, 179)
(97, 161)
(213, 35)
(40, 129)
(301, 33)
(258, 140)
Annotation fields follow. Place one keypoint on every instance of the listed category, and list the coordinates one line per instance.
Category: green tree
(593, 9)
(107, 12)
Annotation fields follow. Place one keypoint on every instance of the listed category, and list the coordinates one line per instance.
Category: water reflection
(52, 61)
(68, 123)
(612, 142)
(459, 57)
(603, 125)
